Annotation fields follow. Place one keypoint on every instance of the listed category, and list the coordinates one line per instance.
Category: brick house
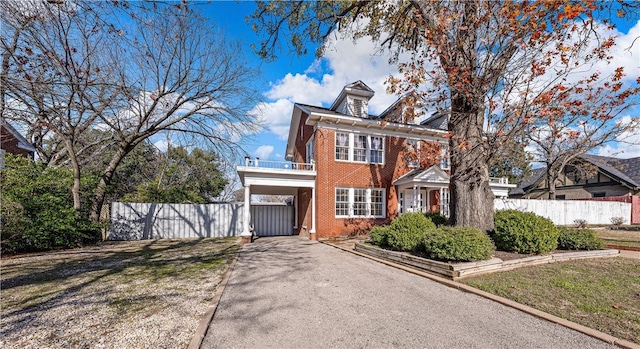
(349, 170)
(13, 142)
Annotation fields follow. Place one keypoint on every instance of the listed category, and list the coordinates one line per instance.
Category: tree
(70, 68)
(182, 177)
(490, 63)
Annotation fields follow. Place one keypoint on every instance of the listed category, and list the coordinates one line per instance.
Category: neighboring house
(587, 177)
(350, 170)
(13, 142)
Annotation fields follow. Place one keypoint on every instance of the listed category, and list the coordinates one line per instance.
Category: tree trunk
(101, 189)
(75, 190)
(551, 182)
(471, 197)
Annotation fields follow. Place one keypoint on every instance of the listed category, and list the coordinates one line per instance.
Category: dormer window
(357, 107)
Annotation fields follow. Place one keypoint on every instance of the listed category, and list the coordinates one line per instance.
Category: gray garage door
(272, 220)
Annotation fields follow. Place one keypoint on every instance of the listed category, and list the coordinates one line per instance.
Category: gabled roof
(432, 175)
(22, 142)
(358, 88)
(625, 171)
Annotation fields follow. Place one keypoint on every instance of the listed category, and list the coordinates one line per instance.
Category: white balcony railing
(499, 180)
(280, 165)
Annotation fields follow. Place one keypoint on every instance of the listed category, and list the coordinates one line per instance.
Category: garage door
(272, 220)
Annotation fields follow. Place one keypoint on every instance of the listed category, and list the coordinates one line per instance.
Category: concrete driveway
(288, 292)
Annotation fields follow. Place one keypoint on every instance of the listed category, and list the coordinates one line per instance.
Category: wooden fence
(566, 212)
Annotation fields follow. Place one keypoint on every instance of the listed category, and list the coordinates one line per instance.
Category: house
(13, 142)
(348, 169)
(589, 176)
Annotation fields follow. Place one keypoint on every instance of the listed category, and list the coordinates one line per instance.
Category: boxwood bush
(457, 244)
(378, 235)
(405, 233)
(579, 239)
(437, 218)
(524, 232)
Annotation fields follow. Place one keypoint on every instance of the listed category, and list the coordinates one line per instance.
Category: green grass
(603, 294)
(620, 237)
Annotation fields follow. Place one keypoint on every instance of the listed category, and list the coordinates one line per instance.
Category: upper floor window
(359, 148)
(375, 153)
(412, 152)
(444, 158)
(342, 146)
(309, 149)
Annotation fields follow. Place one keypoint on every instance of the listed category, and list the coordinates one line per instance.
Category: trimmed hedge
(406, 231)
(378, 235)
(437, 219)
(524, 232)
(579, 239)
(457, 244)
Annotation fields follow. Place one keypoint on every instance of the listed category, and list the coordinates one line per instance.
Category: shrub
(524, 232)
(579, 239)
(617, 220)
(437, 219)
(581, 223)
(458, 244)
(37, 209)
(406, 231)
(378, 235)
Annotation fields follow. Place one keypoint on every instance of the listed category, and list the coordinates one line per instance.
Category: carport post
(312, 232)
(246, 232)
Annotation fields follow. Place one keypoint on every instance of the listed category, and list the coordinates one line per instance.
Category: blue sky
(307, 80)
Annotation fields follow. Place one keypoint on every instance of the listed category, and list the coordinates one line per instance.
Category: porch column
(312, 232)
(415, 199)
(428, 194)
(246, 232)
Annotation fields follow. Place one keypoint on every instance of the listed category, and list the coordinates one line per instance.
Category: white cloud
(628, 145)
(263, 151)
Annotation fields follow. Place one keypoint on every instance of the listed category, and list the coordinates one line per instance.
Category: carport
(275, 178)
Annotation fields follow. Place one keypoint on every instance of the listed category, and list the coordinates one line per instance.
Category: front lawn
(620, 237)
(603, 294)
(137, 294)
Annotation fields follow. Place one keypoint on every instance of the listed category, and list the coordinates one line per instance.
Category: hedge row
(515, 231)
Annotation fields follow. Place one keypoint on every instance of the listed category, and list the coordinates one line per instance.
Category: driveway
(288, 292)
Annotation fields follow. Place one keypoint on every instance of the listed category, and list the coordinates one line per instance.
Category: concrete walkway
(294, 293)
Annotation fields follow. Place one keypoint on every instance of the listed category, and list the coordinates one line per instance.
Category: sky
(305, 79)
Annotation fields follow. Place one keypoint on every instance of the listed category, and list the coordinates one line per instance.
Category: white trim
(375, 129)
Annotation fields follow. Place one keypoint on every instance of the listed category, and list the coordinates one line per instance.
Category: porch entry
(272, 220)
(424, 200)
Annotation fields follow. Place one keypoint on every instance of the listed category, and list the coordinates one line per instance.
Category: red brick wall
(9, 143)
(332, 174)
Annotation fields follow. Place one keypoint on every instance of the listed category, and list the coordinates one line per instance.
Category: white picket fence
(566, 212)
(142, 221)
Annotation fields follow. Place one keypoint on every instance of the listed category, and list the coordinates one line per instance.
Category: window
(342, 146)
(561, 197)
(360, 202)
(599, 195)
(444, 202)
(342, 202)
(309, 149)
(375, 154)
(444, 158)
(360, 148)
(413, 152)
(357, 107)
(377, 201)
